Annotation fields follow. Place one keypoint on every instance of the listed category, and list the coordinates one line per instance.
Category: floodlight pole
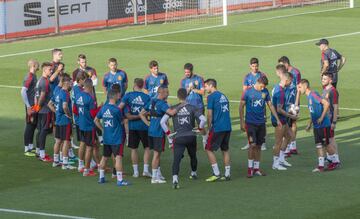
(135, 11)
(57, 20)
(146, 8)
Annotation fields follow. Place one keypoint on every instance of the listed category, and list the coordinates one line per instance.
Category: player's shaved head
(254, 61)
(284, 60)
(182, 94)
(305, 82)
(281, 68)
(112, 60)
(113, 95)
(88, 84)
(81, 56)
(139, 82)
(46, 64)
(163, 92)
(263, 80)
(55, 51)
(153, 63)
(81, 76)
(211, 82)
(32, 63)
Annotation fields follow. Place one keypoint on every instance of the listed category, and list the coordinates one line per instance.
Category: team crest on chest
(263, 95)
(196, 83)
(161, 81)
(119, 78)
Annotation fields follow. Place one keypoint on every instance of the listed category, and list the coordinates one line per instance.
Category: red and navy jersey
(112, 119)
(88, 70)
(157, 109)
(30, 81)
(86, 106)
(331, 55)
(332, 95)
(152, 83)
(250, 79)
(255, 105)
(220, 106)
(59, 98)
(278, 98)
(134, 102)
(193, 98)
(43, 85)
(120, 77)
(316, 109)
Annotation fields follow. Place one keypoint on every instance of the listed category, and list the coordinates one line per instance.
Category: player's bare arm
(51, 106)
(284, 113)
(326, 105)
(98, 124)
(66, 110)
(273, 111)
(143, 116)
(132, 117)
(325, 67)
(241, 114)
(56, 73)
(342, 63)
(209, 118)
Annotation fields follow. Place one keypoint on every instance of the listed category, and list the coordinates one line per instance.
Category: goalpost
(216, 12)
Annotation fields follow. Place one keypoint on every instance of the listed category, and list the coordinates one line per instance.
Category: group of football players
(58, 103)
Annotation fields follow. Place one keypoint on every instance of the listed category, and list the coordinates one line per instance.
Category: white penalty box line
(174, 97)
(141, 38)
(41, 214)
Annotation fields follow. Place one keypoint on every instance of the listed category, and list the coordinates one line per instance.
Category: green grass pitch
(26, 184)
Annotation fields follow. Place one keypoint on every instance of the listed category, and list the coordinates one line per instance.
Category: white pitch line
(312, 40)
(198, 43)
(174, 97)
(286, 16)
(41, 213)
(110, 41)
(168, 33)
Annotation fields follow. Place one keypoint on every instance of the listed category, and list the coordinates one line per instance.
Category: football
(294, 109)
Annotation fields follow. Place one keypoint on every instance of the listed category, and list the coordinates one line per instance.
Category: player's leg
(252, 139)
(224, 146)
(66, 137)
(179, 148)
(331, 149)
(155, 164)
(260, 140)
(147, 153)
(212, 145)
(44, 127)
(133, 144)
(162, 143)
(293, 146)
(29, 132)
(279, 134)
(319, 135)
(106, 155)
(119, 152)
(191, 149)
(90, 143)
(287, 135)
(56, 159)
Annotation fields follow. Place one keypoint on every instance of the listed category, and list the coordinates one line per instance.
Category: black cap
(322, 41)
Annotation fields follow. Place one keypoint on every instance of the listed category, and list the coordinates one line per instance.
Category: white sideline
(197, 43)
(174, 97)
(41, 213)
(110, 41)
(314, 39)
(175, 32)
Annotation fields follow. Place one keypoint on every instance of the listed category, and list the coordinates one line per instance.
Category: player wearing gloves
(184, 136)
